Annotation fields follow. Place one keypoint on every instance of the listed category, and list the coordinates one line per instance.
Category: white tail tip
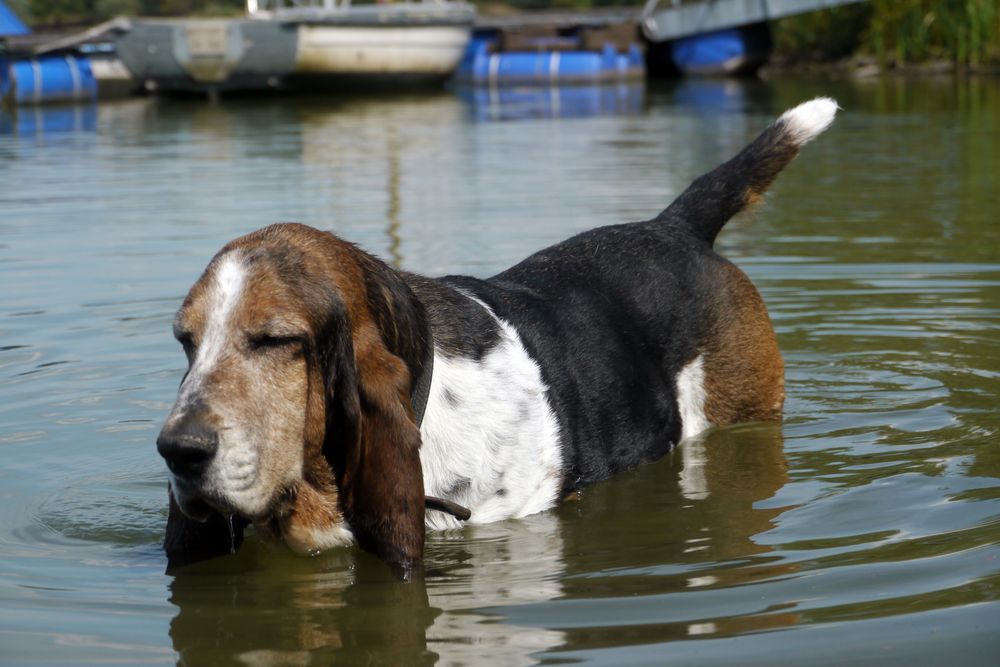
(808, 120)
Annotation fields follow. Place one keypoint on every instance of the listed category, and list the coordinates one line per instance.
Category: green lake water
(864, 530)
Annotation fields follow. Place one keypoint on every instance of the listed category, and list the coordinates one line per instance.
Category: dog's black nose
(188, 445)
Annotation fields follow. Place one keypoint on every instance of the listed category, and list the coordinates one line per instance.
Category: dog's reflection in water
(266, 607)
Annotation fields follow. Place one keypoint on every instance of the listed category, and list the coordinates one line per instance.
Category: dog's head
(295, 411)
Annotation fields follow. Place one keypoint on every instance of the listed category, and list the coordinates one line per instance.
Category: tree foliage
(897, 31)
(56, 12)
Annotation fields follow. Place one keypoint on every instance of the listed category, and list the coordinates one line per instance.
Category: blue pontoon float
(552, 49)
(28, 78)
(483, 65)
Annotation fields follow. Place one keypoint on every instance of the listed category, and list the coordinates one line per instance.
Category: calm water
(865, 528)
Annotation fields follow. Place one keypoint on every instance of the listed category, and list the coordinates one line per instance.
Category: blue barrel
(481, 66)
(730, 51)
(547, 67)
(52, 79)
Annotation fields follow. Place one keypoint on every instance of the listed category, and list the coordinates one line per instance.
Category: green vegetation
(42, 13)
(897, 32)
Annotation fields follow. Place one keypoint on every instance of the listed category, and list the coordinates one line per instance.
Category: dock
(667, 20)
(602, 45)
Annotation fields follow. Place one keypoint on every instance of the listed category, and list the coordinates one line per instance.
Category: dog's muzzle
(189, 445)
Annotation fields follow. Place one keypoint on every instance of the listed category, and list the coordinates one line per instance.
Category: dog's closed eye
(187, 342)
(264, 341)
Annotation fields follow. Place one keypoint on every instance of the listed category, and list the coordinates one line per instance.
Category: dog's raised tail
(713, 198)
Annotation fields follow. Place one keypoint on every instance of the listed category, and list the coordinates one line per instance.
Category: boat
(300, 45)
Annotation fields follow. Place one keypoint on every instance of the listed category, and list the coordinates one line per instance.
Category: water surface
(866, 527)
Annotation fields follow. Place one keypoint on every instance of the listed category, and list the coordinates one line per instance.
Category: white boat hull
(377, 50)
(309, 48)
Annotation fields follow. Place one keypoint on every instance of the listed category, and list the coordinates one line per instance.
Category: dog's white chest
(490, 438)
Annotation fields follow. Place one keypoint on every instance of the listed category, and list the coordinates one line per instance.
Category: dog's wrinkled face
(295, 412)
(233, 440)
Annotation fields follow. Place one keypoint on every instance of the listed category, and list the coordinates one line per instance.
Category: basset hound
(330, 399)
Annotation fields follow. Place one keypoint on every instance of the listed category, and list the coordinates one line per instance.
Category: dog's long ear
(373, 445)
